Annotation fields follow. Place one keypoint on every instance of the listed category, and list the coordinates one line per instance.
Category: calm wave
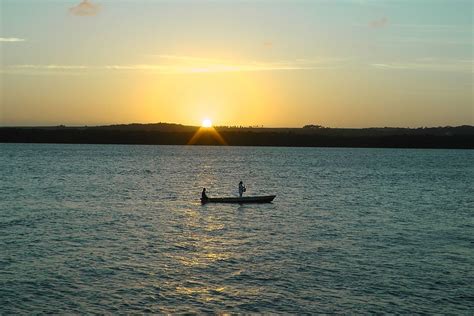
(105, 229)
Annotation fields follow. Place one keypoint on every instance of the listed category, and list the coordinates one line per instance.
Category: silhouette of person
(203, 194)
(242, 188)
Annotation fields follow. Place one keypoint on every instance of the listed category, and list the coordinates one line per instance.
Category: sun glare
(207, 123)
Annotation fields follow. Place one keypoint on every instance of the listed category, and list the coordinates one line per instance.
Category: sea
(119, 229)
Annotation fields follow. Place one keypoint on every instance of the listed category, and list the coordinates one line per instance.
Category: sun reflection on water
(204, 243)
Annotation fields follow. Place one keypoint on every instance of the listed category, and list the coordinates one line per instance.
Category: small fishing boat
(240, 200)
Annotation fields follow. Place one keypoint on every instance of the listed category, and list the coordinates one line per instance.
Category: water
(107, 229)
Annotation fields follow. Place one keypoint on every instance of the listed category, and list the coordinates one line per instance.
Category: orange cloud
(85, 8)
(267, 44)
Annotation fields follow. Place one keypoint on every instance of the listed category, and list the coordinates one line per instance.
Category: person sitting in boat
(242, 188)
(203, 194)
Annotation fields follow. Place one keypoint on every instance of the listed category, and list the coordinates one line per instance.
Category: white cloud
(11, 39)
(193, 59)
(50, 67)
(177, 64)
(430, 41)
(434, 27)
(429, 64)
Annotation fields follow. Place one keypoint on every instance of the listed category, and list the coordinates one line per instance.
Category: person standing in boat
(203, 194)
(242, 188)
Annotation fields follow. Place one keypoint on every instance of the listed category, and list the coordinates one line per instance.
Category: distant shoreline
(460, 137)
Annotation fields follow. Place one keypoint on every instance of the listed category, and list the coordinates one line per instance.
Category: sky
(276, 63)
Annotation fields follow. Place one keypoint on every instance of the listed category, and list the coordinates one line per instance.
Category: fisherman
(203, 194)
(242, 188)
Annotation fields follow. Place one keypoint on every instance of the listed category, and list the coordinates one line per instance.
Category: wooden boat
(240, 200)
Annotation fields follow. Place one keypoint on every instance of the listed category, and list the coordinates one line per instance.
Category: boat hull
(240, 200)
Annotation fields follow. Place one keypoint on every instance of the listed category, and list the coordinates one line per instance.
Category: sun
(206, 123)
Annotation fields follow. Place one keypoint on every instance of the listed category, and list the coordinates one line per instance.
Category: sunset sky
(346, 63)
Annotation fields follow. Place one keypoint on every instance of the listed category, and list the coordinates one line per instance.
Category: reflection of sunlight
(201, 244)
(205, 293)
(214, 227)
(203, 255)
(205, 244)
(213, 293)
(207, 131)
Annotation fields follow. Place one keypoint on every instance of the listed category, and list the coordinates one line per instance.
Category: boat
(240, 200)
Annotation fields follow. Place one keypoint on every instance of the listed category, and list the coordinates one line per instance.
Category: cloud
(173, 69)
(11, 39)
(430, 41)
(378, 24)
(193, 64)
(429, 64)
(190, 59)
(268, 44)
(51, 67)
(176, 64)
(434, 27)
(85, 8)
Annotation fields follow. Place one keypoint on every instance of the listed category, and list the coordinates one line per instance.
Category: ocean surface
(120, 229)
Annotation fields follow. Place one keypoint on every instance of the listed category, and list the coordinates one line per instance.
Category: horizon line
(316, 126)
